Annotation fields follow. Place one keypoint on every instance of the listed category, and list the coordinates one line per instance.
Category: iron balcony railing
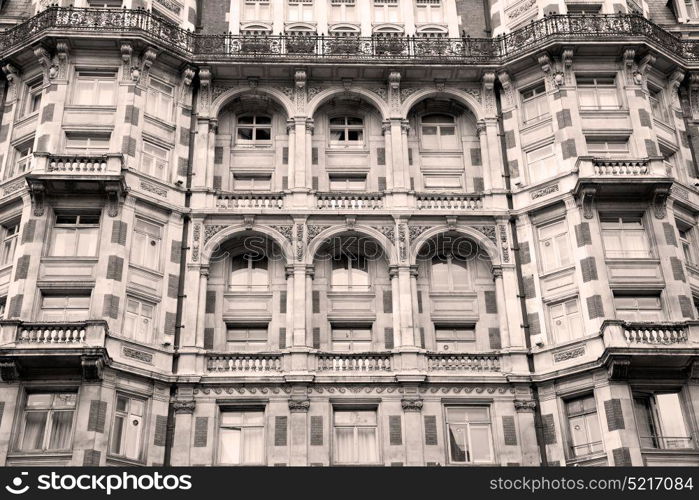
(623, 28)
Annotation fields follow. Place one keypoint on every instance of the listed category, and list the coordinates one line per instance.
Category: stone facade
(271, 247)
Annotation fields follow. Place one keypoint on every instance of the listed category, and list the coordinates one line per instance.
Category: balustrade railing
(637, 333)
(620, 167)
(463, 362)
(354, 362)
(77, 164)
(250, 200)
(350, 201)
(566, 28)
(245, 363)
(429, 201)
(46, 333)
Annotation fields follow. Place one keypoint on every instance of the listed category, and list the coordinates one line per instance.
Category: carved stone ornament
(660, 202)
(299, 406)
(587, 199)
(524, 405)
(618, 368)
(37, 192)
(12, 75)
(411, 404)
(8, 370)
(92, 367)
(184, 407)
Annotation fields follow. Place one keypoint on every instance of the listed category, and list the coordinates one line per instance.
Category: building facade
(349, 232)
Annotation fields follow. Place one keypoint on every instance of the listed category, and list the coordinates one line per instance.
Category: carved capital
(410, 404)
(524, 405)
(299, 405)
(184, 407)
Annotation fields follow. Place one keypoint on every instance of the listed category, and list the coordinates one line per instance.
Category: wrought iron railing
(569, 27)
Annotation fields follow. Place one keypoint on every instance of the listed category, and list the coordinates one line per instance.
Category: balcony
(250, 201)
(448, 201)
(650, 347)
(351, 364)
(570, 28)
(349, 201)
(34, 349)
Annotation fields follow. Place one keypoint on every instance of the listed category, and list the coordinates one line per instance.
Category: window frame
(618, 295)
(249, 287)
(350, 287)
(433, 11)
(9, 236)
(438, 133)
(356, 334)
(650, 394)
(648, 252)
(606, 152)
(570, 447)
(386, 9)
(254, 178)
(142, 262)
(355, 427)
(164, 106)
(597, 90)
(142, 442)
(259, 6)
(347, 180)
(687, 239)
(65, 309)
(33, 89)
(89, 149)
(249, 344)
(539, 95)
(242, 410)
(559, 264)
(346, 128)
(450, 286)
(567, 316)
(76, 228)
(254, 127)
(659, 111)
(536, 165)
(447, 434)
(342, 11)
(48, 429)
(469, 342)
(156, 160)
(97, 75)
(151, 332)
(12, 168)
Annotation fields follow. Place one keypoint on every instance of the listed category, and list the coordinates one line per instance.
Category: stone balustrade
(350, 201)
(250, 200)
(448, 201)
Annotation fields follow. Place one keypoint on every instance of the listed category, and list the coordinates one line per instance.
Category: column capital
(184, 407)
(204, 271)
(310, 126)
(299, 405)
(524, 405)
(497, 272)
(290, 126)
(411, 404)
(386, 127)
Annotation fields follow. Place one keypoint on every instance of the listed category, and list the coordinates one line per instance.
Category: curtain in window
(458, 443)
(366, 445)
(253, 446)
(34, 426)
(345, 445)
(61, 424)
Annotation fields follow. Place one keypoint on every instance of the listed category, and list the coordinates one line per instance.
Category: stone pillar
(202, 168)
(524, 409)
(493, 153)
(298, 454)
(405, 302)
(481, 130)
(201, 305)
(299, 168)
(298, 285)
(412, 412)
(182, 437)
(396, 136)
(615, 410)
(502, 308)
(291, 161)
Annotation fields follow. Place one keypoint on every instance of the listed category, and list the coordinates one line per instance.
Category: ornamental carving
(245, 389)
(476, 93)
(407, 92)
(489, 232)
(415, 231)
(520, 9)
(152, 188)
(173, 7)
(313, 230)
(196, 237)
(525, 405)
(299, 242)
(210, 231)
(388, 232)
(576, 352)
(544, 191)
(299, 406)
(184, 407)
(411, 404)
(504, 244)
(402, 245)
(285, 230)
(14, 187)
(144, 357)
(464, 389)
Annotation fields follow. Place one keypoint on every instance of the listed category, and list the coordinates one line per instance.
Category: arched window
(249, 272)
(438, 132)
(449, 273)
(350, 272)
(346, 131)
(254, 130)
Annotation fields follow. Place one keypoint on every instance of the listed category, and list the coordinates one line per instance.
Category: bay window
(607, 147)
(541, 163)
(249, 272)
(657, 104)
(356, 436)
(566, 322)
(638, 307)
(661, 421)
(535, 104)
(75, 235)
(47, 422)
(624, 236)
(155, 160)
(138, 321)
(23, 159)
(160, 99)
(585, 436)
(127, 429)
(241, 437)
(350, 273)
(687, 241)
(146, 244)
(598, 92)
(469, 434)
(95, 88)
(554, 246)
(10, 234)
(32, 98)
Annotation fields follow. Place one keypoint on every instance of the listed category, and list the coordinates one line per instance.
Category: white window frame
(450, 285)
(134, 332)
(242, 429)
(261, 11)
(105, 4)
(345, 129)
(439, 126)
(129, 418)
(251, 259)
(430, 11)
(536, 164)
(587, 417)
(355, 427)
(351, 269)
(10, 237)
(483, 423)
(23, 160)
(637, 309)
(96, 143)
(33, 97)
(150, 257)
(254, 141)
(299, 11)
(658, 107)
(688, 240)
(351, 183)
(355, 336)
(78, 228)
(105, 80)
(342, 11)
(386, 11)
(454, 338)
(66, 310)
(158, 162)
(602, 147)
(249, 338)
(160, 103)
(625, 253)
(259, 182)
(536, 95)
(651, 396)
(692, 9)
(51, 409)
(431, 182)
(595, 86)
(574, 324)
(560, 241)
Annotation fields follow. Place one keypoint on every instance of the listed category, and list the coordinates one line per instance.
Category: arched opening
(251, 128)
(443, 130)
(351, 278)
(246, 280)
(456, 295)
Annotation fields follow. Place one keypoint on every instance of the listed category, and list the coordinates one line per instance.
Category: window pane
(458, 443)
(229, 446)
(480, 443)
(344, 445)
(672, 424)
(61, 425)
(34, 427)
(367, 446)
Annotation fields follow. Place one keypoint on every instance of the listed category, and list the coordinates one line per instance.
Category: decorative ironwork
(532, 37)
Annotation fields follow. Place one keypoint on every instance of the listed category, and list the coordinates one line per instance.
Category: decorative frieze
(568, 354)
(544, 191)
(142, 356)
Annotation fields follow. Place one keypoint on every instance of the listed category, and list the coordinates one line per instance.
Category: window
(566, 323)
(356, 437)
(138, 323)
(598, 92)
(342, 11)
(448, 272)
(455, 339)
(554, 246)
(247, 339)
(105, 4)
(350, 272)
(300, 10)
(348, 183)
(32, 100)
(47, 422)
(687, 241)
(24, 157)
(535, 105)
(252, 182)
(638, 307)
(3, 306)
(249, 272)
(146, 244)
(155, 161)
(692, 10)
(429, 11)
(256, 10)
(127, 431)
(657, 104)
(584, 8)
(351, 339)
(661, 422)
(443, 182)
(624, 237)
(385, 11)
(160, 100)
(583, 425)
(541, 164)
(10, 232)
(75, 235)
(607, 147)
(87, 144)
(346, 131)
(60, 308)
(94, 88)
(241, 438)
(254, 130)
(438, 132)
(470, 439)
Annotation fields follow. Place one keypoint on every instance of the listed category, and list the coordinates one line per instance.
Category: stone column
(501, 308)
(182, 437)
(298, 285)
(412, 412)
(202, 168)
(397, 143)
(527, 432)
(481, 130)
(405, 302)
(299, 168)
(291, 132)
(201, 305)
(298, 454)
